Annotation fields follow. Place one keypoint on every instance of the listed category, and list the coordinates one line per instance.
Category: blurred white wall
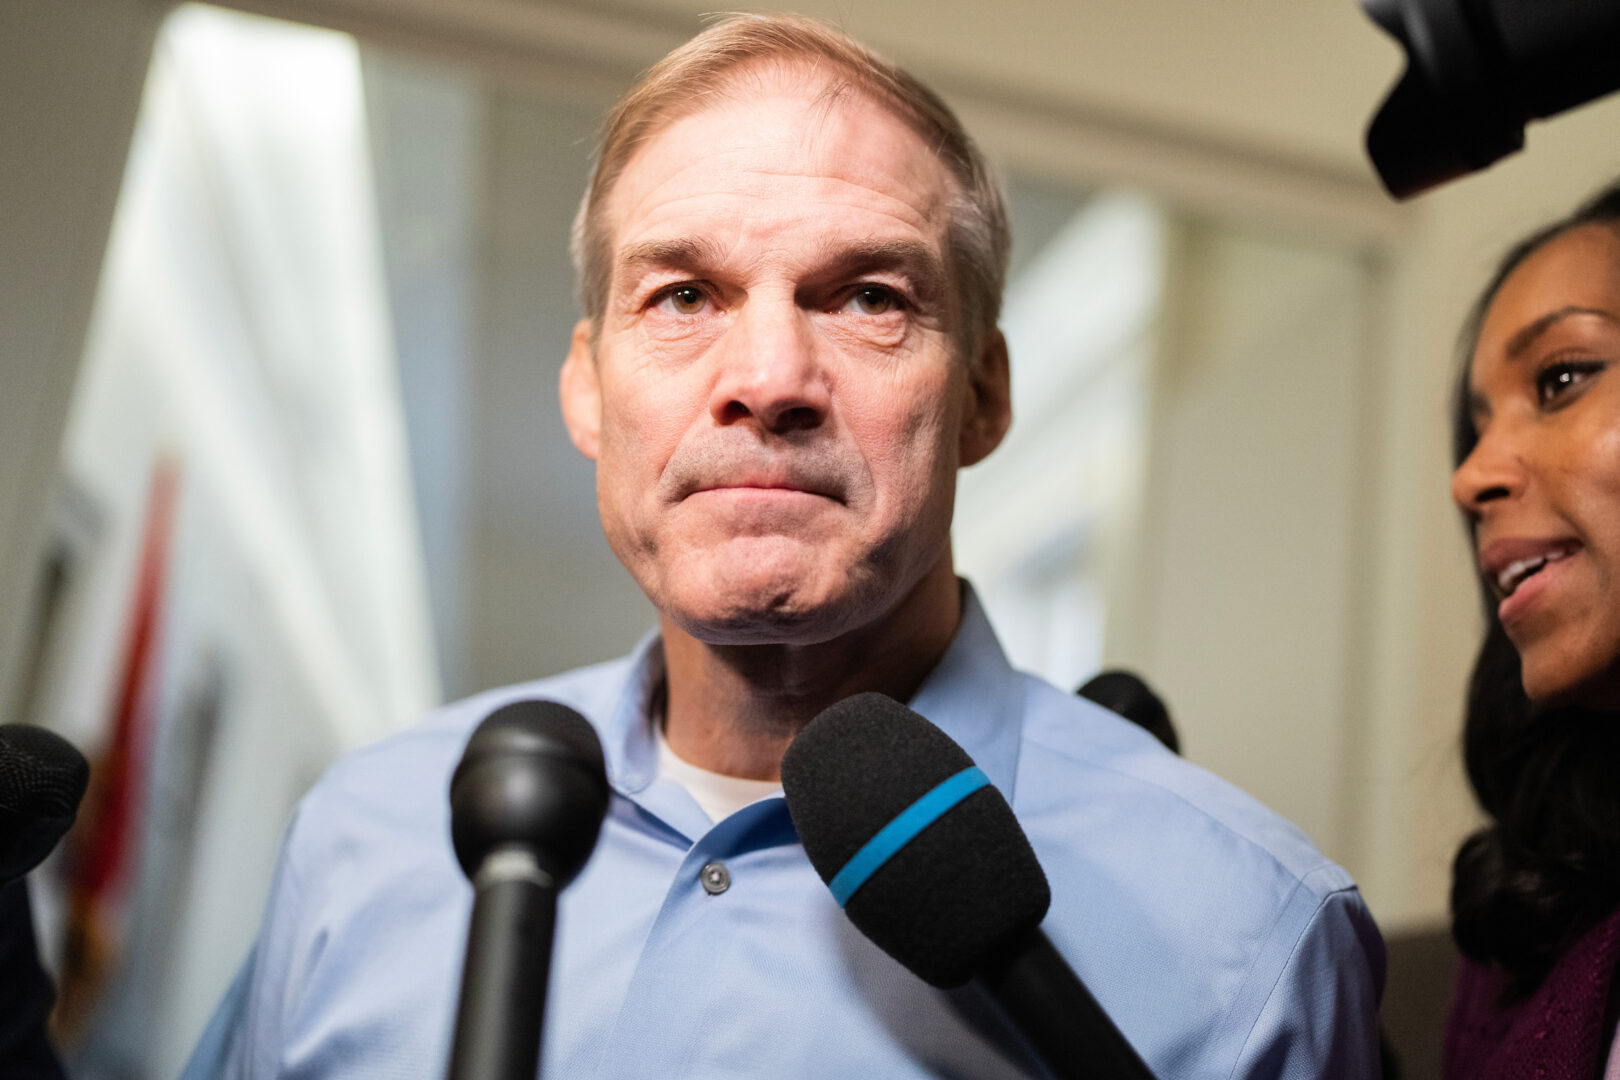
(240, 337)
(1043, 525)
(1242, 597)
(70, 83)
(478, 181)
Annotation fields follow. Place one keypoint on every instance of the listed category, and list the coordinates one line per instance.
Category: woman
(1536, 897)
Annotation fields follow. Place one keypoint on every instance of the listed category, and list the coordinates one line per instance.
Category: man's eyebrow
(913, 258)
(684, 253)
(917, 260)
(1526, 336)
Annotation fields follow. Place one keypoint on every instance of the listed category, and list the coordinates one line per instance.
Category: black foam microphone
(928, 861)
(526, 805)
(42, 779)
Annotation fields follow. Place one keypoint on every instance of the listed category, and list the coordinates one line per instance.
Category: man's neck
(733, 709)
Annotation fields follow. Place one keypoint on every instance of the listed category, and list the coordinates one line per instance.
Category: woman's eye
(1558, 379)
(685, 299)
(873, 300)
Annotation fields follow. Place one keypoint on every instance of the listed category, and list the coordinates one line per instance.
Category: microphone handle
(1049, 1005)
(26, 993)
(503, 985)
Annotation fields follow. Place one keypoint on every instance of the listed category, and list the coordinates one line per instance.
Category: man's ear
(989, 405)
(581, 393)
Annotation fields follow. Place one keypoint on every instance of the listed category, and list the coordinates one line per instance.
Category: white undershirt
(719, 795)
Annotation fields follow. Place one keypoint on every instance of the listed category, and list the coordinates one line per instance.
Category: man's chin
(770, 627)
(765, 617)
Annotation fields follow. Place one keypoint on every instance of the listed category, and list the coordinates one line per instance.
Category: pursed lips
(812, 473)
(760, 484)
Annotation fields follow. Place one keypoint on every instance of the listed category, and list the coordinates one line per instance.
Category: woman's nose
(1493, 470)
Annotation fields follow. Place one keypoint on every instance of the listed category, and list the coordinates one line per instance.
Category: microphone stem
(503, 985)
(1049, 1005)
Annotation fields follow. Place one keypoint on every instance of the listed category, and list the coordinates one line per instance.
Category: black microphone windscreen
(532, 775)
(952, 895)
(536, 726)
(42, 780)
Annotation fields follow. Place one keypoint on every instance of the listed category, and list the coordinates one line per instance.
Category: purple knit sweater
(1555, 1034)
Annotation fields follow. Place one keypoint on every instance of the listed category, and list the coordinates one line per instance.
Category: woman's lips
(1508, 562)
(1529, 592)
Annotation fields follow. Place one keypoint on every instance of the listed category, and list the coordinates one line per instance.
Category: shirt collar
(973, 695)
(632, 757)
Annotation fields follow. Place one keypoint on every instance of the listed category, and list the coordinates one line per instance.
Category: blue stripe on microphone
(899, 832)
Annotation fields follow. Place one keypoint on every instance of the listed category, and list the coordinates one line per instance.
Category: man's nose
(771, 372)
(1494, 470)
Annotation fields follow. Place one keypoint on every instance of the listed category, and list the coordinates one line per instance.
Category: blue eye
(1556, 380)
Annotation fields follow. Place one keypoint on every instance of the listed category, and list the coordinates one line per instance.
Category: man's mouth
(815, 469)
(764, 488)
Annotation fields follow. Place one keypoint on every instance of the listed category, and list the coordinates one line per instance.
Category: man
(791, 259)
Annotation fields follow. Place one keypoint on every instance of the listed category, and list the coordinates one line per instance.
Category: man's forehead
(820, 88)
(779, 133)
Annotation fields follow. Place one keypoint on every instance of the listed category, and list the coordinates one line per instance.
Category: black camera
(1477, 72)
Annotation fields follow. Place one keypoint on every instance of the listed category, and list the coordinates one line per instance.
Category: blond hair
(708, 66)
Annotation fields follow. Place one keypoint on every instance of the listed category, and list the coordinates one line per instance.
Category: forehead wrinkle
(917, 257)
(911, 198)
(746, 194)
(824, 155)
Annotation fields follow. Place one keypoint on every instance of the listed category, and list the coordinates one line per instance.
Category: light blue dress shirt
(1219, 940)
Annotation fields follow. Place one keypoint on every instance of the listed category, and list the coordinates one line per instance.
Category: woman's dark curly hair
(1547, 867)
